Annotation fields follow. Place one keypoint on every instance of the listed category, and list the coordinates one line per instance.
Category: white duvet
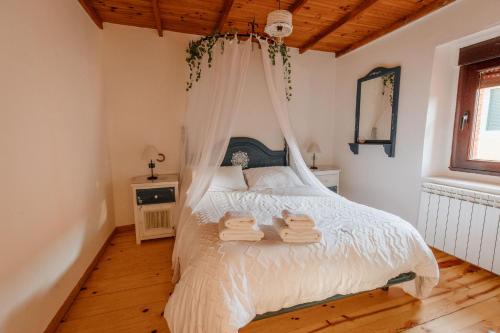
(223, 285)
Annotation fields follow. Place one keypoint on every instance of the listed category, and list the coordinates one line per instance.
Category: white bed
(224, 285)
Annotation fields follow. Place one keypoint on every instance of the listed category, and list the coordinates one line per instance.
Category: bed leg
(386, 288)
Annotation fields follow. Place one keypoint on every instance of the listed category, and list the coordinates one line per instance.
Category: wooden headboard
(251, 153)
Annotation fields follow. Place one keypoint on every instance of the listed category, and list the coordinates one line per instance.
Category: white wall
(56, 197)
(144, 91)
(371, 177)
(145, 100)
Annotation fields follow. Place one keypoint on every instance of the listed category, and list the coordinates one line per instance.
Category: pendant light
(279, 23)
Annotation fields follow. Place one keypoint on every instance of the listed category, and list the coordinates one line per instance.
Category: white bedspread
(223, 285)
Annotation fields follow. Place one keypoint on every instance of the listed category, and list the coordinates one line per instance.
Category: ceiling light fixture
(279, 23)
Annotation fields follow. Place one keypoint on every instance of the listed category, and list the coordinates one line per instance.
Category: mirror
(376, 109)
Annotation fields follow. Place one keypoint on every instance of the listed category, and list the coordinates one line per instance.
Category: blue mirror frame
(389, 145)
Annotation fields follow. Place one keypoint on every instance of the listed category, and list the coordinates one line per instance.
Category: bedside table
(329, 176)
(154, 203)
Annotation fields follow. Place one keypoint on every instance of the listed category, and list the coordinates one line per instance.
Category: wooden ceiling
(338, 26)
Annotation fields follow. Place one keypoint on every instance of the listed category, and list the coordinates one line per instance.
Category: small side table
(154, 204)
(329, 176)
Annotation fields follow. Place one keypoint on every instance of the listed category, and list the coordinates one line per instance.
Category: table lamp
(314, 148)
(151, 154)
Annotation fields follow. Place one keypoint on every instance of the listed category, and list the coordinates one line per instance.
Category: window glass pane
(493, 119)
(485, 143)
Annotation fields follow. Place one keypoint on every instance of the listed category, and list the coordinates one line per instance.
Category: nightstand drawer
(329, 180)
(153, 196)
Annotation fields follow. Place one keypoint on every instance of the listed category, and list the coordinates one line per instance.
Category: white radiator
(461, 222)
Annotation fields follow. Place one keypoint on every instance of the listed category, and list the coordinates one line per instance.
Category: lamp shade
(150, 153)
(313, 148)
(279, 23)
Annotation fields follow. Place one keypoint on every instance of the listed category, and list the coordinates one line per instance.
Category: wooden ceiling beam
(298, 4)
(353, 14)
(228, 4)
(94, 15)
(156, 11)
(398, 24)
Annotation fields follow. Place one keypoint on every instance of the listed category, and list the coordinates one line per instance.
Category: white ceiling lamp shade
(279, 23)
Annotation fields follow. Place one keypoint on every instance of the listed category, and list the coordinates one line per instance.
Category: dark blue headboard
(251, 153)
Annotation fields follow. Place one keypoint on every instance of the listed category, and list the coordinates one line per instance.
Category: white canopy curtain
(276, 88)
(213, 105)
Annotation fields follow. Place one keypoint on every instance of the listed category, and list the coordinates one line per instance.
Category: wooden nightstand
(329, 176)
(154, 204)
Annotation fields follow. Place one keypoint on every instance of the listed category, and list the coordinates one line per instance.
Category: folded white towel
(238, 220)
(298, 220)
(289, 235)
(253, 234)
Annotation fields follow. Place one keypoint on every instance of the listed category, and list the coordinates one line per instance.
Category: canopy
(213, 105)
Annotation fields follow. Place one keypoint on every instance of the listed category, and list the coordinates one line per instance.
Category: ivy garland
(198, 48)
(388, 81)
(282, 50)
(195, 52)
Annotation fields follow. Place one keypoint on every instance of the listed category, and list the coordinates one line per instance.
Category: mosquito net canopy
(213, 106)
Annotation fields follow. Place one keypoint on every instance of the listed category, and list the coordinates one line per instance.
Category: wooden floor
(130, 286)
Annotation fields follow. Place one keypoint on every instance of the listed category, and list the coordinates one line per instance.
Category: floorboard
(130, 286)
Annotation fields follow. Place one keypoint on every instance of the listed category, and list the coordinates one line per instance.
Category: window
(476, 137)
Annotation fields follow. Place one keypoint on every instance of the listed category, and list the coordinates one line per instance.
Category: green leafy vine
(195, 52)
(282, 50)
(204, 46)
(388, 81)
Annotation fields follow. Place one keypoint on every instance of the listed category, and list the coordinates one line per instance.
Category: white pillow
(271, 177)
(228, 178)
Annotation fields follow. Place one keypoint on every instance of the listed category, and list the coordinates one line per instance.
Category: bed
(225, 285)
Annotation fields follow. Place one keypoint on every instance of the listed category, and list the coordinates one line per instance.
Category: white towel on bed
(298, 220)
(253, 234)
(238, 220)
(289, 235)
